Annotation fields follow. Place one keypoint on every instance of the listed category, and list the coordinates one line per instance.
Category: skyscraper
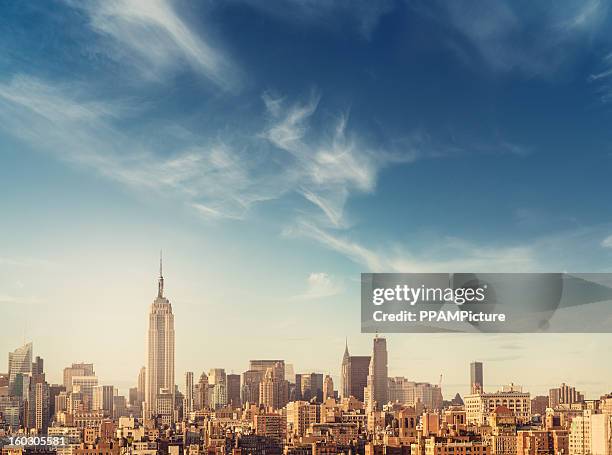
(354, 374)
(345, 391)
(160, 361)
(378, 381)
(103, 399)
(233, 390)
(85, 386)
(476, 383)
(41, 406)
(564, 395)
(263, 365)
(328, 387)
(201, 397)
(188, 405)
(142, 385)
(218, 380)
(20, 362)
(274, 389)
(311, 386)
(38, 370)
(77, 369)
(250, 386)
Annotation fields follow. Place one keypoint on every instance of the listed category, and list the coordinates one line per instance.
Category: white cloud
(151, 35)
(607, 242)
(601, 79)
(353, 250)
(327, 167)
(534, 41)
(448, 255)
(319, 285)
(215, 176)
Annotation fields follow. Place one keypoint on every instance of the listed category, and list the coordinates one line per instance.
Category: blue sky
(275, 150)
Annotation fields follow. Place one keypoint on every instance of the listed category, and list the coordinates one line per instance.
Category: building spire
(160, 284)
(346, 351)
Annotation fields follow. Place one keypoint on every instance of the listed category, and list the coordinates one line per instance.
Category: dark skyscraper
(250, 386)
(476, 383)
(310, 386)
(233, 390)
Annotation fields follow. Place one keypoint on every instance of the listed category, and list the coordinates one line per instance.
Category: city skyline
(337, 374)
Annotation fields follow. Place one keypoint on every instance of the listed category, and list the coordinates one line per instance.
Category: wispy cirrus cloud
(449, 254)
(351, 249)
(217, 178)
(510, 36)
(607, 242)
(327, 168)
(150, 35)
(289, 152)
(54, 119)
(320, 285)
(602, 79)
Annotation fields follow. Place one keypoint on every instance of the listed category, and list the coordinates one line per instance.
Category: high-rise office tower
(250, 386)
(310, 386)
(41, 407)
(77, 369)
(201, 398)
(54, 391)
(274, 388)
(354, 374)
(476, 382)
(218, 380)
(20, 362)
(133, 396)
(103, 399)
(378, 381)
(289, 372)
(328, 388)
(160, 361)
(38, 371)
(564, 395)
(188, 405)
(263, 365)
(233, 390)
(85, 386)
(142, 385)
(410, 393)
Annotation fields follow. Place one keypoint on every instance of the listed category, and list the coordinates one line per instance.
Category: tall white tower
(160, 349)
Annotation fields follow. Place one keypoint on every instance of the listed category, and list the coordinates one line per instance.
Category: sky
(276, 150)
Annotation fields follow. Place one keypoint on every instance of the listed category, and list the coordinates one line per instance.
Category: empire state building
(160, 370)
